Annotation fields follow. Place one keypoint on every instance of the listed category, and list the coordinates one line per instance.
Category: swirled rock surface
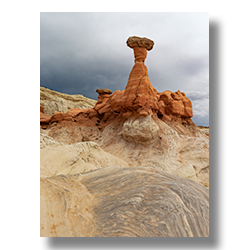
(140, 131)
(57, 158)
(169, 146)
(123, 202)
(174, 148)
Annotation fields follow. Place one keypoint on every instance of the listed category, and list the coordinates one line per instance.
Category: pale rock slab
(55, 101)
(74, 134)
(186, 171)
(46, 140)
(123, 202)
(57, 158)
(205, 130)
(167, 146)
(65, 208)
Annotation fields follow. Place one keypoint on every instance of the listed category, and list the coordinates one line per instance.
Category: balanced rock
(140, 98)
(101, 107)
(135, 41)
(103, 91)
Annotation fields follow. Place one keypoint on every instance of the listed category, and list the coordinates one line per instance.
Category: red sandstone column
(139, 98)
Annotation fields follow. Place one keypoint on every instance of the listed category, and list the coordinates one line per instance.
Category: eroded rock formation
(140, 131)
(137, 117)
(139, 99)
(123, 202)
(132, 164)
(135, 41)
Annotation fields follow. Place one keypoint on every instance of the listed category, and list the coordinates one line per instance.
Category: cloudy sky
(81, 52)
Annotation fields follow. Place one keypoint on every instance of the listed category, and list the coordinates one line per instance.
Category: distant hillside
(55, 101)
(203, 127)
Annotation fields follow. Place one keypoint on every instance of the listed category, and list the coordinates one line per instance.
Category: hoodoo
(139, 99)
(131, 164)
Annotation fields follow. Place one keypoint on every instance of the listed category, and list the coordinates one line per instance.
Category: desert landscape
(131, 164)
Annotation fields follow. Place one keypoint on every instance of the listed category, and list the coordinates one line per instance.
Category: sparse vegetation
(203, 127)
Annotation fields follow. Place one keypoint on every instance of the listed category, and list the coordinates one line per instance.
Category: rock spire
(139, 99)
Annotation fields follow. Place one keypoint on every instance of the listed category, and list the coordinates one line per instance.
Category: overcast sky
(81, 52)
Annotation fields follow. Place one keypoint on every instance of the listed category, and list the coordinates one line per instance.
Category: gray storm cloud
(81, 52)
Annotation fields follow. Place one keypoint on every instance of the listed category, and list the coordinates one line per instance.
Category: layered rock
(54, 101)
(102, 106)
(205, 130)
(130, 122)
(56, 158)
(44, 119)
(139, 99)
(140, 131)
(114, 201)
(175, 106)
(169, 146)
(123, 202)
